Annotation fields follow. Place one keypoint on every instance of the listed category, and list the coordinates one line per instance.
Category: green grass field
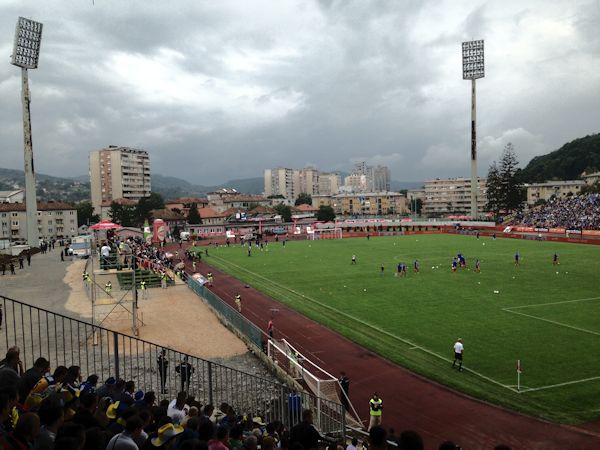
(548, 320)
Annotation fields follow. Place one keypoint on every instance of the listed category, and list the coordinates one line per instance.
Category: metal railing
(67, 341)
(239, 322)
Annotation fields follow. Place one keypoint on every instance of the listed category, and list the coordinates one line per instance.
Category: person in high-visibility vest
(143, 288)
(375, 411)
(238, 302)
(209, 276)
(194, 266)
(163, 280)
(108, 287)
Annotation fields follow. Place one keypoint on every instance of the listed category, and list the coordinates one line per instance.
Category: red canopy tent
(105, 225)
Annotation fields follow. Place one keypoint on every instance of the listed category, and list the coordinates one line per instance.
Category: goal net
(327, 233)
(317, 380)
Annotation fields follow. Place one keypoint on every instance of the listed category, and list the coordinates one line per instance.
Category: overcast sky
(217, 90)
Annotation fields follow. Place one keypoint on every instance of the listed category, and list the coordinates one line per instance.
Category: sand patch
(175, 317)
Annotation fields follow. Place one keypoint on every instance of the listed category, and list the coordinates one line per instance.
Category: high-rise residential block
(118, 172)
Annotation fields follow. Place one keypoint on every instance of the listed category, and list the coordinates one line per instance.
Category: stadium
(324, 304)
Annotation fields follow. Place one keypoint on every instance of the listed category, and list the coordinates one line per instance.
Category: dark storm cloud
(221, 90)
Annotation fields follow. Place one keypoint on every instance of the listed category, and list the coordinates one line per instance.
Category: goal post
(317, 380)
(327, 233)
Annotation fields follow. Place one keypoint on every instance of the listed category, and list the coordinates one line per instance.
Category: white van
(81, 246)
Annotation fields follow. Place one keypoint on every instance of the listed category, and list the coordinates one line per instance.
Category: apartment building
(56, 220)
(365, 178)
(282, 181)
(118, 172)
(364, 203)
(329, 183)
(558, 189)
(452, 196)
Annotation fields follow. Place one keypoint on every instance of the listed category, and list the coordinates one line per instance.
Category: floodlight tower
(26, 52)
(473, 68)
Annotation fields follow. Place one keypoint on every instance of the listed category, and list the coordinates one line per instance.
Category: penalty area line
(364, 323)
(552, 303)
(554, 322)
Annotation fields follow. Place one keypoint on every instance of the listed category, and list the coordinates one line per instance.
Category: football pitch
(547, 316)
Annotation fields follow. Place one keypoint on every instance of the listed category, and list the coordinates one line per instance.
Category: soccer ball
(432, 267)
(479, 282)
(365, 290)
(556, 273)
(483, 243)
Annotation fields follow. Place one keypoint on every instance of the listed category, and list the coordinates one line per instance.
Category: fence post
(116, 352)
(210, 384)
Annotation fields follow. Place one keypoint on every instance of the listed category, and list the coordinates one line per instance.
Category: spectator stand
(70, 342)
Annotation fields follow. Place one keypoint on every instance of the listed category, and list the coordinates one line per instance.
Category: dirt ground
(175, 317)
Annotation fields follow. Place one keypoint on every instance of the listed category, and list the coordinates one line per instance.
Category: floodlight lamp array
(28, 37)
(473, 60)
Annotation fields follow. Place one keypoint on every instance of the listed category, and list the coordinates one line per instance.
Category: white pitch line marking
(566, 383)
(554, 322)
(362, 322)
(553, 303)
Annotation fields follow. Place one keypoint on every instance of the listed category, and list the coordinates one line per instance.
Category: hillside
(566, 163)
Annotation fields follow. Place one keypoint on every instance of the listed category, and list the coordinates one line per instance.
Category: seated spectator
(221, 441)
(236, 435)
(166, 436)
(27, 429)
(377, 438)
(88, 404)
(178, 409)
(125, 440)
(48, 385)
(32, 376)
(52, 417)
(70, 431)
(107, 389)
(410, 440)
(12, 361)
(305, 433)
(89, 385)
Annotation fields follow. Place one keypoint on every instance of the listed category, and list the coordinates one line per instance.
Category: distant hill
(74, 189)
(48, 187)
(566, 163)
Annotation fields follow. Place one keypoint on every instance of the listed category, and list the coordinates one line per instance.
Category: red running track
(411, 402)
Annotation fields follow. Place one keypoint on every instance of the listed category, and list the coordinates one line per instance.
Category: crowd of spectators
(55, 410)
(581, 212)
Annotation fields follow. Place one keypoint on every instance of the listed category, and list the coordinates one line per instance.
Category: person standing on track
(345, 385)
(375, 411)
(270, 329)
(459, 349)
(238, 302)
(163, 366)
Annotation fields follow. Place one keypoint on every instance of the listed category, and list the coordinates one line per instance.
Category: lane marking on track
(364, 323)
